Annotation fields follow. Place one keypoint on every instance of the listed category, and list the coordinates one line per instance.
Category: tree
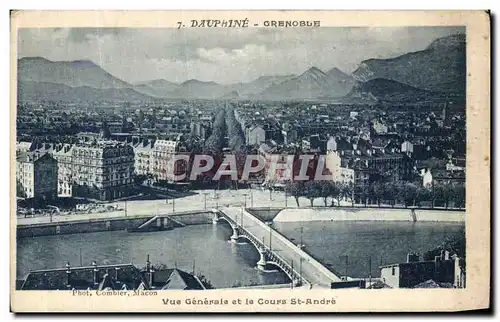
(312, 190)
(459, 196)
(364, 193)
(348, 192)
(336, 192)
(437, 193)
(295, 189)
(326, 190)
(140, 117)
(377, 191)
(448, 192)
(390, 192)
(423, 194)
(407, 193)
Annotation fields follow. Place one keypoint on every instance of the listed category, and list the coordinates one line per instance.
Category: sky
(223, 55)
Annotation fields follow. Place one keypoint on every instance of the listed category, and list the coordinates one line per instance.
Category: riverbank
(89, 225)
(369, 214)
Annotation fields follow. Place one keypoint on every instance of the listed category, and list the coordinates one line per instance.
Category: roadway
(310, 269)
(198, 200)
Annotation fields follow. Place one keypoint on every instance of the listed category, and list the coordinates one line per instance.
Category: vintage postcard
(250, 161)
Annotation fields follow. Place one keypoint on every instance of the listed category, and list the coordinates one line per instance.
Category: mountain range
(437, 70)
(440, 67)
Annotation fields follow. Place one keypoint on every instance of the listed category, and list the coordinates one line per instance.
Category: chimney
(68, 275)
(445, 255)
(117, 270)
(96, 272)
(437, 268)
(151, 279)
(149, 272)
(412, 257)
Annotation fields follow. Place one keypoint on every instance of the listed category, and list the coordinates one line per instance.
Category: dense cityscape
(397, 155)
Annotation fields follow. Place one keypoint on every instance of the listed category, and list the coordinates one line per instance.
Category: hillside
(313, 83)
(195, 89)
(70, 73)
(385, 90)
(258, 85)
(30, 91)
(440, 67)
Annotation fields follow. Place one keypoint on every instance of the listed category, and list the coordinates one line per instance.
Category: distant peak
(454, 40)
(314, 70)
(265, 77)
(83, 63)
(35, 59)
(335, 70)
(158, 82)
(195, 81)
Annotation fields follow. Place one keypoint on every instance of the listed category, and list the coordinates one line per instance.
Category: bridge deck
(311, 270)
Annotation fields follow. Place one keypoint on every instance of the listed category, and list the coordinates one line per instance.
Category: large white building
(165, 167)
(334, 165)
(103, 170)
(144, 163)
(62, 154)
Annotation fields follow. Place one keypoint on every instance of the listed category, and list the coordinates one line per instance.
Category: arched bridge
(275, 249)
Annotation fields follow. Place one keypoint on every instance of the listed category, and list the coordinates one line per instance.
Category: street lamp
(300, 269)
(270, 237)
(245, 195)
(205, 200)
(216, 197)
(301, 231)
(241, 214)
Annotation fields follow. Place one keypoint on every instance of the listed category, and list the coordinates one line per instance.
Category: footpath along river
(206, 247)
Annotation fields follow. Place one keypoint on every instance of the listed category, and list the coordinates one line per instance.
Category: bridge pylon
(235, 235)
(215, 218)
(261, 264)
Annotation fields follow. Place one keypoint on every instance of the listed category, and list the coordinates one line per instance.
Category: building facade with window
(36, 176)
(62, 154)
(102, 171)
(168, 159)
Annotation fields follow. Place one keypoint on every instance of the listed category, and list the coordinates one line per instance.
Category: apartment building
(102, 170)
(36, 175)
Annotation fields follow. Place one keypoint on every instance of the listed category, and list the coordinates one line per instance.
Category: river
(386, 242)
(206, 247)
